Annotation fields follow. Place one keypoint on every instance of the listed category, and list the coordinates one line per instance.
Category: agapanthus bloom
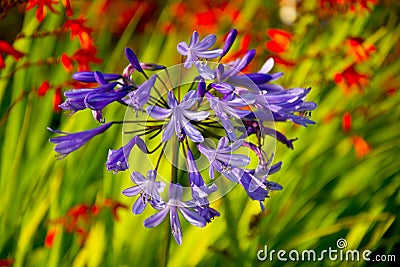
(201, 113)
(172, 207)
(148, 189)
(179, 115)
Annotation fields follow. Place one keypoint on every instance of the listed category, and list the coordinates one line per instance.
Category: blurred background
(341, 180)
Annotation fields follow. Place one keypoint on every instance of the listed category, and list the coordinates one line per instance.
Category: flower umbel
(199, 125)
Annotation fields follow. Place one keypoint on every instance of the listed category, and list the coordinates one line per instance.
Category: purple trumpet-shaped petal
(198, 49)
(257, 189)
(131, 56)
(240, 64)
(229, 42)
(200, 190)
(225, 110)
(138, 98)
(118, 159)
(204, 71)
(179, 116)
(148, 189)
(99, 100)
(172, 207)
(89, 77)
(207, 212)
(72, 141)
(76, 98)
(222, 159)
(223, 88)
(201, 91)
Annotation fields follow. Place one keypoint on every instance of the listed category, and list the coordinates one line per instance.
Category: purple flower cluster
(224, 116)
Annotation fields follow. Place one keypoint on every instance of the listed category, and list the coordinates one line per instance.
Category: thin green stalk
(166, 245)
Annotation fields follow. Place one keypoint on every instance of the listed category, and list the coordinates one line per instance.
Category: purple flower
(89, 76)
(227, 109)
(198, 49)
(76, 98)
(100, 99)
(72, 141)
(283, 104)
(179, 115)
(172, 207)
(229, 41)
(131, 56)
(118, 159)
(139, 97)
(200, 190)
(95, 99)
(148, 189)
(222, 158)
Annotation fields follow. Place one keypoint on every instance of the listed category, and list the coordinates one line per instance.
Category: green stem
(166, 245)
(175, 161)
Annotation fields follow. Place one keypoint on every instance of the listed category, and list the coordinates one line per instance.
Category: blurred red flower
(79, 218)
(43, 88)
(7, 49)
(350, 78)
(78, 29)
(346, 121)
(361, 147)
(57, 99)
(49, 239)
(68, 9)
(280, 40)
(83, 57)
(41, 4)
(358, 50)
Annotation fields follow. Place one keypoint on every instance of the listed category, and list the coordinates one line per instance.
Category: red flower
(6, 48)
(350, 79)
(280, 40)
(40, 7)
(68, 10)
(83, 57)
(44, 87)
(346, 122)
(78, 29)
(57, 99)
(361, 147)
(207, 19)
(49, 239)
(359, 51)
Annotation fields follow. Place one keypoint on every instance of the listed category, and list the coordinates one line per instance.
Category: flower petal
(139, 206)
(156, 219)
(157, 112)
(193, 217)
(132, 191)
